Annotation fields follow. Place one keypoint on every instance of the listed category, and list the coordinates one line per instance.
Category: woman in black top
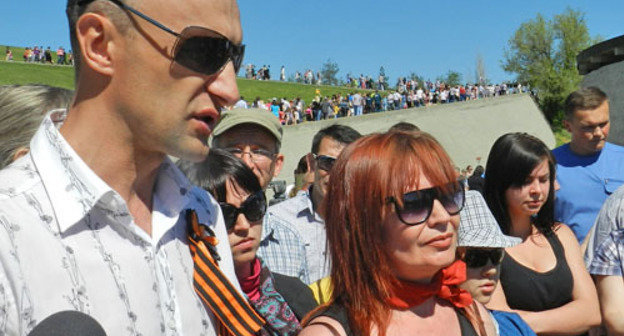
(543, 278)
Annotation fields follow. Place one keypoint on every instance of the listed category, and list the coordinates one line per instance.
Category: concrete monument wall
(610, 79)
(467, 130)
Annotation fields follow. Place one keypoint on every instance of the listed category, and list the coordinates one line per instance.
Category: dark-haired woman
(283, 301)
(391, 214)
(543, 278)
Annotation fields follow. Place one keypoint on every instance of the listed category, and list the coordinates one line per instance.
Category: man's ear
(311, 162)
(19, 152)
(567, 125)
(279, 163)
(95, 33)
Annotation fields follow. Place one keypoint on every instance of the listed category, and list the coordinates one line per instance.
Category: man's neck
(107, 147)
(580, 152)
(317, 200)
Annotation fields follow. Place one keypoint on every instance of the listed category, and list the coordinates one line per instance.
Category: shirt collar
(72, 187)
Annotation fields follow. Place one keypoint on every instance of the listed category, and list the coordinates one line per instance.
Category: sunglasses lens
(205, 51)
(254, 207)
(453, 198)
(476, 258)
(230, 214)
(325, 162)
(416, 207)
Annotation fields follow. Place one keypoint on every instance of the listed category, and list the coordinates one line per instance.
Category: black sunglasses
(199, 49)
(417, 205)
(478, 257)
(324, 162)
(253, 208)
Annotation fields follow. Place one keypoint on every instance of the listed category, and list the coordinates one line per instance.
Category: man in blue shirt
(589, 169)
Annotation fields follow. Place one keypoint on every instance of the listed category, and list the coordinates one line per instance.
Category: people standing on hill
(60, 54)
(48, 55)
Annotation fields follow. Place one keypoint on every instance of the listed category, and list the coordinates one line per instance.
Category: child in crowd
(481, 245)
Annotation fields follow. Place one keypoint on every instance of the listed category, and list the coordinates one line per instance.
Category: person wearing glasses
(481, 245)
(543, 278)
(92, 218)
(298, 222)
(282, 300)
(255, 136)
(392, 213)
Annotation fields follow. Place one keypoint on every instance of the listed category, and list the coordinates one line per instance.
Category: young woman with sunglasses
(543, 278)
(281, 300)
(391, 214)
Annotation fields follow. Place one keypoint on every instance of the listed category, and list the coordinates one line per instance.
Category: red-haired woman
(391, 214)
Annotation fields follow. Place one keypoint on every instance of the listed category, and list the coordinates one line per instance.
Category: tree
(413, 76)
(480, 76)
(542, 53)
(452, 78)
(329, 70)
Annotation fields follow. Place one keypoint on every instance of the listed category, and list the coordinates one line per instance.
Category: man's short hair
(118, 16)
(341, 133)
(588, 98)
(404, 126)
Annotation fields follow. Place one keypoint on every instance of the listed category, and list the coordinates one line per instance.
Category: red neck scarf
(445, 285)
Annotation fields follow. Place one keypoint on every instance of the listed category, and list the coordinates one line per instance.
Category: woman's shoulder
(323, 326)
(564, 233)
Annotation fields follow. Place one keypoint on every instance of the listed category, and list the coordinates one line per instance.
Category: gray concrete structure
(467, 130)
(603, 66)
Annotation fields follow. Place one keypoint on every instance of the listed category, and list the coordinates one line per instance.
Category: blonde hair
(22, 108)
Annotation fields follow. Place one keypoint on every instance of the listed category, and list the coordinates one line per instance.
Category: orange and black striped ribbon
(214, 288)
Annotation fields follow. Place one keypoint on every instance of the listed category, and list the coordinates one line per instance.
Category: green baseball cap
(257, 116)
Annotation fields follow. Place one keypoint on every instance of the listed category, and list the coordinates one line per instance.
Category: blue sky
(425, 37)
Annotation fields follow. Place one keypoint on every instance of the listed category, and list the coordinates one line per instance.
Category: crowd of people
(134, 205)
(37, 54)
(295, 111)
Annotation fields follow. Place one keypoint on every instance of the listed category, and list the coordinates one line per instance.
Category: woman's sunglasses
(417, 205)
(199, 49)
(478, 257)
(254, 208)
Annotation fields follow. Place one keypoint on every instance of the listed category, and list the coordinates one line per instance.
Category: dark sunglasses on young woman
(196, 48)
(417, 205)
(479, 257)
(253, 207)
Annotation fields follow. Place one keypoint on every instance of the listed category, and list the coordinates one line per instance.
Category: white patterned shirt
(68, 242)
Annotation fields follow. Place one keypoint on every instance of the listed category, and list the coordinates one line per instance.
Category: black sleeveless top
(526, 289)
(338, 313)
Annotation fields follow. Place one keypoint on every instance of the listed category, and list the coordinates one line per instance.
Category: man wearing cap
(481, 245)
(94, 218)
(255, 136)
(300, 214)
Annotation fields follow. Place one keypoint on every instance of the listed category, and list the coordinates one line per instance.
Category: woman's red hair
(366, 174)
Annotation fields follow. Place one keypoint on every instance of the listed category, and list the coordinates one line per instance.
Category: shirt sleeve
(608, 255)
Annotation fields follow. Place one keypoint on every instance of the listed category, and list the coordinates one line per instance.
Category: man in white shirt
(92, 219)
